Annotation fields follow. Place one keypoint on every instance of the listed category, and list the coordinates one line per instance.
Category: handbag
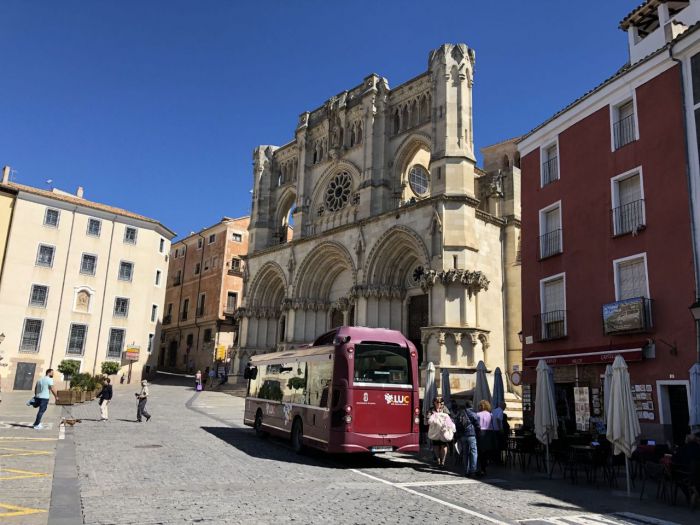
(199, 387)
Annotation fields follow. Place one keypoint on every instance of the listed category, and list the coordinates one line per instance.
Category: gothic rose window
(338, 191)
(418, 179)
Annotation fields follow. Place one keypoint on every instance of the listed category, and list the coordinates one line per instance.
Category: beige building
(394, 225)
(204, 289)
(80, 280)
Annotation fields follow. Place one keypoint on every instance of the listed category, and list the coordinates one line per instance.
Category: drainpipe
(178, 312)
(63, 287)
(104, 294)
(199, 286)
(693, 231)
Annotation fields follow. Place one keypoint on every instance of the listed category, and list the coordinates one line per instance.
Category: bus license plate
(381, 449)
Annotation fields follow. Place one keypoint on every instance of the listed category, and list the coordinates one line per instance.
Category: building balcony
(230, 310)
(550, 170)
(624, 131)
(629, 218)
(630, 316)
(550, 325)
(167, 319)
(550, 244)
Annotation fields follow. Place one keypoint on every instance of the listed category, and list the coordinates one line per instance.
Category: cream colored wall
(64, 280)
(7, 203)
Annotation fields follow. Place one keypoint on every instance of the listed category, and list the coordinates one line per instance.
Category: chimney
(79, 193)
(5, 174)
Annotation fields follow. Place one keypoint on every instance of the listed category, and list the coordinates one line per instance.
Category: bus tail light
(348, 417)
(416, 418)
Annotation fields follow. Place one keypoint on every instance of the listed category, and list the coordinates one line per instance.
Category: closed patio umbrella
(607, 380)
(481, 388)
(430, 392)
(445, 387)
(623, 426)
(545, 408)
(695, 397)
(499, 395)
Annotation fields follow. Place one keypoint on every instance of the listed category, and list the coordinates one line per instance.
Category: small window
(236, 264)
(126, 271)
(206, 265)
(51, 217)
(231, 302)
(150, 342)
(550, 164)
(200, 305)
(419, 180)
(190, 339)
(170, 309)
(200, 243)
(178, 278)
(624, 125)
(116, 342)
(94, 227)
(237, 237)
(177, 253)
(207, 335)
(550, 231)
(38, 296)
(88, 264)
(552, 323)
(76, 339)
(154, 313)
(45, 255)
(629, 215)
(31, 335)
(161, 246)
(212, 238)
(158, 273)
(631, 278)
(197, 269)
(185, 309)
(121, 307)
(130, 235)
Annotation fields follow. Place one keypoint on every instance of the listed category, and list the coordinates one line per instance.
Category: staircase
(514, 410)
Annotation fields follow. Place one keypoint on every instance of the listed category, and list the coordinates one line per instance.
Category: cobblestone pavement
(194, 462)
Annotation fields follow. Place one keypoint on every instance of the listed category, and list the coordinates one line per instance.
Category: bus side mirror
(250, 372)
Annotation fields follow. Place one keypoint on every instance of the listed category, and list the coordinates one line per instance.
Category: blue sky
(156, 105)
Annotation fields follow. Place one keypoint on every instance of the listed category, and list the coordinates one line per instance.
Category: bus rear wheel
(297, 436)
(258, 425)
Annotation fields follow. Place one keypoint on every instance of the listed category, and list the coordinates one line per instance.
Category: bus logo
(365, 397)
(397, 399)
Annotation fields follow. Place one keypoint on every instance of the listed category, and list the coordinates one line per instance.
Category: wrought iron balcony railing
(629, 218)
(550, 325)
(624, 131)
(550, 171)
(550, 244)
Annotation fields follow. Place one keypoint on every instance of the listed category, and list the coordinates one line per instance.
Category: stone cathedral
(375, 214)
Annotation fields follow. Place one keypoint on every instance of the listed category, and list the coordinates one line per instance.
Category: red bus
(354, 389)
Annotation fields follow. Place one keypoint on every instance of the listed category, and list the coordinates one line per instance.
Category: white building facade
(80, 280)
(394, 225)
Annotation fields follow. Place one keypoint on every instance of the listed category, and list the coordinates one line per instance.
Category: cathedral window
(338, 191)
(397, 122)
(418, 179)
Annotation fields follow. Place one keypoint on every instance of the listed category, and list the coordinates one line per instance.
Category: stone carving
(291, 263)
(82, 301)
(473, 281)
(484, 341)
(458, 337)
(338, 191)
(377, 291)
(441, 338)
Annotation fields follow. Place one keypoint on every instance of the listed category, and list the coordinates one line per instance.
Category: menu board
(582, 407)
(527, 398)
(595, 402)
(643, 402)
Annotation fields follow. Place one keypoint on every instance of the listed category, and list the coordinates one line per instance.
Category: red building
(608, 245)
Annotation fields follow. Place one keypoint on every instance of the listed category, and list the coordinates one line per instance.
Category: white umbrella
(623, 426)
(445, 387)
(481, 388)
(695, 396)
(545, 408)
(607, 381)
(430, 392)
(499, 395)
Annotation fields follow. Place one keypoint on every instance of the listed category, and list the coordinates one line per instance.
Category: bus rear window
(382, 364)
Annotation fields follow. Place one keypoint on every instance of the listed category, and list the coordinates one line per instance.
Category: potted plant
(69, 368)
(110, 368)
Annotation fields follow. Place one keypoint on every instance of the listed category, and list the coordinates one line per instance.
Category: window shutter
(629, 190)
(553, 296)
(631, 279)
(625, 110)
(552, 220)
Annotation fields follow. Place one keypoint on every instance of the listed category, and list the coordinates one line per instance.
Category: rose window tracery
(338, 191)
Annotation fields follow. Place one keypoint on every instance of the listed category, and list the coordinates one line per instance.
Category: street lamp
(695, 312)
(520, 336)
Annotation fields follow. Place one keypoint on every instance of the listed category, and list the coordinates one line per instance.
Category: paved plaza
(194, 462)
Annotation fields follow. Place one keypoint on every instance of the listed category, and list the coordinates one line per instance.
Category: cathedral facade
(393, 225)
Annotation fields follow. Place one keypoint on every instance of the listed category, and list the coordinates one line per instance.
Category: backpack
(463, 423)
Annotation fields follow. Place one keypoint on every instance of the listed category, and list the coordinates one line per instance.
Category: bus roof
(291, 355)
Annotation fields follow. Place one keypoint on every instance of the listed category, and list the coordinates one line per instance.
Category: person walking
(440, 429)
(487, 436)
(41, 393)
(198, 380)
(105, 396)
(142, 398)
(468, 428)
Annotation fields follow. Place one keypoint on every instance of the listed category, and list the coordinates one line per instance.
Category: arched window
(397, 122)
(404, 118)
(506, 162)
(516, 160)
(414, 114)
(336, 318)
(358, 136)
(424, 110)
(282, 327)
(352, 136)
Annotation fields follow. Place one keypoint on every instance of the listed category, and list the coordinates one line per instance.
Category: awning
(587, 356)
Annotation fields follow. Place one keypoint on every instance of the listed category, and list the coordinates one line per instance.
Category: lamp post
(695, 312)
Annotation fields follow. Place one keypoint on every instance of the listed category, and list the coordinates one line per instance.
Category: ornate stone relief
(473, 281)
(377, 291)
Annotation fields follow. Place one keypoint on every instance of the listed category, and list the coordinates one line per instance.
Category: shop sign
(625, 316)
(582, 407)
(132, 353)
(221, 352)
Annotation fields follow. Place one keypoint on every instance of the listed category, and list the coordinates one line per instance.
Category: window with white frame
(130, 234)
(212, 238)
(161, 246)
(76, 339)
(154, 313)
(44, 256)
(631, 277)
(116, 342)
(38, 296)
(126, 271)
(31, 335)
(624, 124)
(237, 237)
(550, 164)
(150, 343)
(628, 214)
(158, 274)
(200, 304)
(51, 217)
(88, 264)
(231, 301)
(550, 231)
(553, 304)
(121, 307)
(236, 264)
(94, 227)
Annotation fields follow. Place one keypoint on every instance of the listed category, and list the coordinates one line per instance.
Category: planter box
(89, 395)
(64, 397)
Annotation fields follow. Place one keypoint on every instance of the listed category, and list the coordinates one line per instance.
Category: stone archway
(263, 308)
